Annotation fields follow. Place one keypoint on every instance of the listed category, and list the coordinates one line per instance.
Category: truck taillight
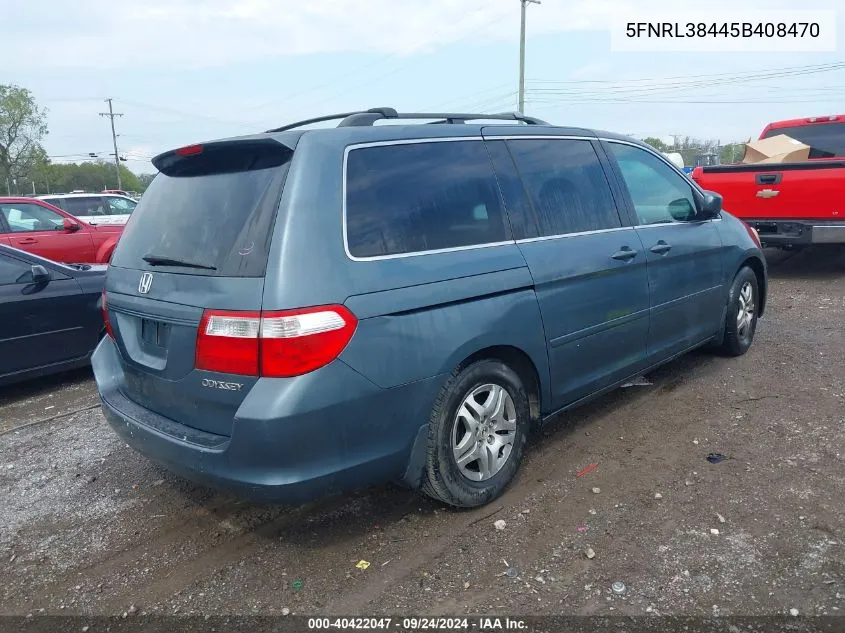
(273, 344)
(106, 320)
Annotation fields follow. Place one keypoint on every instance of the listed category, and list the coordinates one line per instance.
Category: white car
(94, 208)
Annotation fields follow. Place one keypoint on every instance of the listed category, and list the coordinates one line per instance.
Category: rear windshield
(826, 140)
(210, 214)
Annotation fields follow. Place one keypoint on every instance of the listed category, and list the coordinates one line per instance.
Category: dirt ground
(87, 526)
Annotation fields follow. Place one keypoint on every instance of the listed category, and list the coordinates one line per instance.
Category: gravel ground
(90, 527)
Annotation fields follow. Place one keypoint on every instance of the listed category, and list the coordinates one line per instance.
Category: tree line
(690, 148)
(25, 167)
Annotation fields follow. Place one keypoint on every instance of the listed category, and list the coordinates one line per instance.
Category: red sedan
(38, 227)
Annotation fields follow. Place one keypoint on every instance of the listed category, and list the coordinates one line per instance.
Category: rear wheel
(743, 307)
(477, 435)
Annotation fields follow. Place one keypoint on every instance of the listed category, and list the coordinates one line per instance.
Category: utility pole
(524, 3)
(111, 114)
(675, 138)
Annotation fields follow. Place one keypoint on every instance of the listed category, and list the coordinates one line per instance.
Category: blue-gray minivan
(306, 311)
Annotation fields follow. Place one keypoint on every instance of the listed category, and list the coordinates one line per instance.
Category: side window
(56, 202)
(659, 194)
(13, 271)
(566, 184)
(82, 207)
(24, 218)
(522, 219)
(121, 205)
(417, 197)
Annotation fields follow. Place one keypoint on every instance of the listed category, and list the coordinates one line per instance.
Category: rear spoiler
(220, 157)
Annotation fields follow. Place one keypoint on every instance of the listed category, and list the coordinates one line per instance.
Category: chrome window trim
(539, 137)
(543, 238)
(411, 141)
(675, 223)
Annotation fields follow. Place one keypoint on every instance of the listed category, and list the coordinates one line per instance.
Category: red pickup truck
(40, 228)
(790, 204)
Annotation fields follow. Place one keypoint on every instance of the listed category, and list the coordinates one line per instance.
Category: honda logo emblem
(145, 283)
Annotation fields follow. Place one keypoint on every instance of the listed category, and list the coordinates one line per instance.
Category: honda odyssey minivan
(306, 311)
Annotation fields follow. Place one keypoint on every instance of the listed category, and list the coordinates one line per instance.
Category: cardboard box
(776, 149)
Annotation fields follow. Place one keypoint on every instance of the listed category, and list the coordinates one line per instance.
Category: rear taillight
(274, 344)
(754, 234)
(106, 317)
(228, 342)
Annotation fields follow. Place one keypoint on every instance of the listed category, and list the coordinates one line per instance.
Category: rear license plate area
(155, 333)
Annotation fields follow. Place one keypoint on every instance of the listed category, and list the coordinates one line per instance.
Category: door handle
(28, 240)
(624, 254)
(661, 248)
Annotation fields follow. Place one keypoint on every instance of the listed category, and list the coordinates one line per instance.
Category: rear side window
(56, 202)
(566, 184)
(522, 219)
(418, 197)
(826, 140)
(120, 206)
(92, 206)
(209, 213)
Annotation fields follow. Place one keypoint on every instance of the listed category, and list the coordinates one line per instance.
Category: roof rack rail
(368, 117)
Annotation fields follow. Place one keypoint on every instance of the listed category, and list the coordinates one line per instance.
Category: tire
(741, 318)
(499, 434)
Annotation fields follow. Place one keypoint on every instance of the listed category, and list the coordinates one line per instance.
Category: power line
(111, 114)
(493, 103)
(393, 71)
(640, 80)
(182, 113)
(646, 89)
(558, 102)
(465, 98)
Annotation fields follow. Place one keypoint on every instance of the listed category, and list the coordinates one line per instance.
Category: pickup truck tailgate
(807, 191)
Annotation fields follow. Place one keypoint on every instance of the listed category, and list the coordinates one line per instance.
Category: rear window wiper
(159, 260)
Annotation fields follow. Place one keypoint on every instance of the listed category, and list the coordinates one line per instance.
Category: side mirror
(40, 275)
(710, 205)
(70, 226)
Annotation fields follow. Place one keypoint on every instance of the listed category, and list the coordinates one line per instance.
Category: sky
(184, 71)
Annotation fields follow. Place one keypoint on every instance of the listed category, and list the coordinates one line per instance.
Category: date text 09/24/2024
(418, 624)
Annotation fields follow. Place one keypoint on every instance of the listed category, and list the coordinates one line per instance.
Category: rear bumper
(292, 440)
(798, 232)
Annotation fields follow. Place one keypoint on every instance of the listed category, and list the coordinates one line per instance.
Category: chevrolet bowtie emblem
(767, 193)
